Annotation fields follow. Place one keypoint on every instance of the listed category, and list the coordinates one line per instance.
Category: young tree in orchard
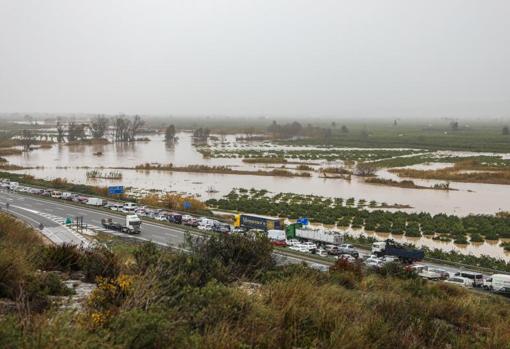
(170, 134)
(98, 126)
(505, 131)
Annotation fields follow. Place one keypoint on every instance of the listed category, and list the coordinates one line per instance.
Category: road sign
(303, 220)
(186, 205)
(119, 189)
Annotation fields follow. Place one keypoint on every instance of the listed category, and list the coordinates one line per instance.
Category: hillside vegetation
(228, 292)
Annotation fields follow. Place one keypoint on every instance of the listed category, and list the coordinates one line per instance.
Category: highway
(52, 213)
(34, 211)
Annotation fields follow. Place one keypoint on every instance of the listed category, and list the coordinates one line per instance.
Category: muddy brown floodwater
(63, 160)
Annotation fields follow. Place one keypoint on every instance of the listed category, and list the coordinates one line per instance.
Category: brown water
(469, 198)
(488, 248)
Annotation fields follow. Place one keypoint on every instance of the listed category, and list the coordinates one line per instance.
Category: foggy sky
(401, 58)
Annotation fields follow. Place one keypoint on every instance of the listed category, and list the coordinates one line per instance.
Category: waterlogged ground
(489, 248)
(63, 161)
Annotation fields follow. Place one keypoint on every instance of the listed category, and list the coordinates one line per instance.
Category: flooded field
(63, 160)
(72, 162)
(488, 248)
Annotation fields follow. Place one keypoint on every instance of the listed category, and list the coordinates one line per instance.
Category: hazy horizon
(283, 58)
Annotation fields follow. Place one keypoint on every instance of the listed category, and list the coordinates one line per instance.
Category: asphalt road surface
(52, 214)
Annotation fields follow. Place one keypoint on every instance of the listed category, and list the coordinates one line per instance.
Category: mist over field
(283, 58)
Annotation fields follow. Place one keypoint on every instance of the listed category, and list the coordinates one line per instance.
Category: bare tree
(136, 124)
(170, 134)
(75, 131)
(60, 132)
(125, 129)
(365, 169)
(121, 125)
(98, 127)
(27, 139)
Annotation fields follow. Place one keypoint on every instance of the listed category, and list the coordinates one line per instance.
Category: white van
(129, 207)
(13, 185)
(476, 278)
(67, 195)
(460, 281)
(56, 194)
(498, 283)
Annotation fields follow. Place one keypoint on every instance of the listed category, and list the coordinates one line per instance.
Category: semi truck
(391, 248)
(319, 235)
(252, 221)
(299, 230)
(132, 226)
(277, 237)
(95, 202)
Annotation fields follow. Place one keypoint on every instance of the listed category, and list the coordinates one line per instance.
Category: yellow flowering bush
(107, 297)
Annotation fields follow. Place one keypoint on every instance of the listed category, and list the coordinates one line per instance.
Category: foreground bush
(227, 292)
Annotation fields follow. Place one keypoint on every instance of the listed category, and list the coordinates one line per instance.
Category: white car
(300, 248)
(321, 252)
(460, 281)
(347, 257)
(389, 259)
(309, 245)
(425, 272)
(187, 217)
(293, 242)
(205, 227)
(373, 261)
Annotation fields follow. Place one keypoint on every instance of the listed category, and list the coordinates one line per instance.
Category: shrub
(65, 257)
(146, 255)
(99, 262)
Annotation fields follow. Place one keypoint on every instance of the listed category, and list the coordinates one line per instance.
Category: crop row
(332, 211)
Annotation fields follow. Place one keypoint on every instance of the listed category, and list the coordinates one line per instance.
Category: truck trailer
(252, 221)
(391, 248)
(319, 235)
(132, 226)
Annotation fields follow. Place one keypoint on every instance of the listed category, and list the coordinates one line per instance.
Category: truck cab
(133, 223)
(378, 247)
